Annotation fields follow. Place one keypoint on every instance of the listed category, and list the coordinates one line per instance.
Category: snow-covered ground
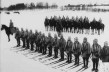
(18, 60)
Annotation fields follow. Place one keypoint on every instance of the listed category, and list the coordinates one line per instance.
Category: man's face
(105, 44)
(76, 39)
(85, 40)
(95, 41)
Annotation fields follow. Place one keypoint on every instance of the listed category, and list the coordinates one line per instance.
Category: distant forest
(86, 7)
(41, 5)
(22, 6)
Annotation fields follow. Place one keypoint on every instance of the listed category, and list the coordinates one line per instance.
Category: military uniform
(23, 37)
(38, 42)
(77, 51)
(27, 39)
(32, 41)
(17, 37)
(11, 26)
(45, 45)
(86, 51)
(95, 55)
(56, 47)
(105, 54)
(69, 49)
(50, 43)
(36, 36)
(62, 45)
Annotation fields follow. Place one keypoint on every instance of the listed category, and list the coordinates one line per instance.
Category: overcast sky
(5, 3)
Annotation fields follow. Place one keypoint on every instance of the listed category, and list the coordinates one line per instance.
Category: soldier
(27, 39)
(38, 41)
(31, 40)
(95, 54)
(43, 43)
(105, 52)
(62, 45)
(76, 50)
(11, 26)
(50, 43)
(17, 37)
(86, 51)
(36, 36)
(23, 37)
(69, 49)
(56, 46)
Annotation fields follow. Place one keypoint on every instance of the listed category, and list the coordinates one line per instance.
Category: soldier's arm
(89, 48)
(80, 47)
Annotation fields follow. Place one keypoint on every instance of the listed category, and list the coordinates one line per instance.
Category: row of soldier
(74, 25)
(38, 42)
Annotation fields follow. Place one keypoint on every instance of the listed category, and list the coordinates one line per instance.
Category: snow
(17, 60)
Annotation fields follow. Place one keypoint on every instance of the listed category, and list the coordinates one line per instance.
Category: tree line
(40, 5)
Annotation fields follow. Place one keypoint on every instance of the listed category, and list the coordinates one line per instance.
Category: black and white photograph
(54, 36)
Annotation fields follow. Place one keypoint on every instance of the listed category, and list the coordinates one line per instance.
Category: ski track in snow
(19, 60)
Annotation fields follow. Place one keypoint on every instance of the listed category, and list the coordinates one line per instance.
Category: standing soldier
(23, 37)
(62, 45)
(105, 55)
(31, 40)
(36, 35)
(56, 46)
(105, 52)
(95, 54)
(38, 41)
(76, 50)
(86, 51)
(17, 37)
(69, 49)
(43, 43)
(27, 39)
(50, 43)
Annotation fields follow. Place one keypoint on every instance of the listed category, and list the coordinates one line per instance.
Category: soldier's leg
(50, 51)
(84, 61)
(62, 54)
(36, 46)
(55, 52)
(28, 44)
(78, 59)
(23, 43)
(87, 59)
(42, 49)
(97, 61)
(75, 59)
(45, 49)
(18, 41)
(70, 57)
(67, 57)
(93, 60)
